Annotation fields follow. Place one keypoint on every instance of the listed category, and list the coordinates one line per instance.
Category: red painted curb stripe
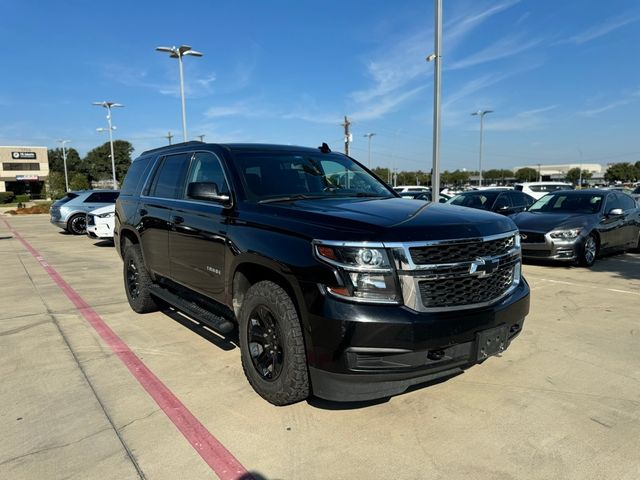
(221, 461)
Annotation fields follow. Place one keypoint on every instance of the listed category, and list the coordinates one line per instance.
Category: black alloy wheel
(272, 345)
(78, 224)
(137, 281)
(267, 355)
(133, 279)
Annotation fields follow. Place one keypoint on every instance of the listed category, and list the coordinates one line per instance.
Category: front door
(198, 235)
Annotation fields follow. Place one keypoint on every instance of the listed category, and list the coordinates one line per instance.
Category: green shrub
(22, 198)
(6, 197)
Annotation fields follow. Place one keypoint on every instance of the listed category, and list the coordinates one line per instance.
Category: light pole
(369, 135)
(580, 179)
(64, 160)
(481, 114)
(111, 128)
(179, 52)
(437, 79)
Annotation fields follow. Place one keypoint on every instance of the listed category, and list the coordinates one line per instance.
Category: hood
(545, 222)
(388, 219)
(102, 210)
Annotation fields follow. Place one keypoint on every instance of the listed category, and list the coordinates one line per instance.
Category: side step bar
(212, 320)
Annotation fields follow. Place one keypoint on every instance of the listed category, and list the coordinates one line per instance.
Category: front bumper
(362, 352)
(551, 249)
(100, 230)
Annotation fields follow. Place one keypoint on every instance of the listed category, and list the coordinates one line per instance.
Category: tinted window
(102, 197)
(518, 187)
(481, 200)
(636, 191)
(134, 176)
(169, 178)
(502, 201)
(569, 203)
(284, 174)
(548, 188)
(627, 202)
(70, 196)
(206, 167)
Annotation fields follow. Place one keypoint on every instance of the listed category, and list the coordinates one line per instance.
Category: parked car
(344, 292)
(70, 212)
(540, 189)
(636, 194)
(100, 222)
(498, 200)
(577, 226)
(426, 196)
(410, 189)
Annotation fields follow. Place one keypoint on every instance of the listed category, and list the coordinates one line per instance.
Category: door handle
(143, 212)
(176, 220)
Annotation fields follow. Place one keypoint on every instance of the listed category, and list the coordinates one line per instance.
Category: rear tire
(77, 224)
(137, 281)
(272, 346)
(589, 251)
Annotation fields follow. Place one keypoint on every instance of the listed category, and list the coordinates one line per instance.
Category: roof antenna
(324, 148)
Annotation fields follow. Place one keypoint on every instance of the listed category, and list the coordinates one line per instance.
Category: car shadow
(104, 243)
(224, 342)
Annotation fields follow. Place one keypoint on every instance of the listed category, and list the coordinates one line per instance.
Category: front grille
(468, 290)
(531, 237)
(461, 252)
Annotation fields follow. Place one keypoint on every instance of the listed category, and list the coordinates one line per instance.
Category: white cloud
(611, 105)
(523, 121)
(503, 48)
(608, 26)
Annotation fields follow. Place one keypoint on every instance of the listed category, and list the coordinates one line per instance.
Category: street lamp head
(482, 112)
(166, 49)
(107, 105)
(193, 53)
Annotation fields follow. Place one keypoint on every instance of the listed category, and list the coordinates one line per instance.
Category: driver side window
(206, 168)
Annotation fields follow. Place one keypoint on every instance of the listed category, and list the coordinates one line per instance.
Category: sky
(563, 77)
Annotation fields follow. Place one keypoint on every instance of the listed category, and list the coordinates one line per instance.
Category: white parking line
(616, 290)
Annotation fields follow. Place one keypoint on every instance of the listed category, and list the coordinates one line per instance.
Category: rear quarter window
(135, 176)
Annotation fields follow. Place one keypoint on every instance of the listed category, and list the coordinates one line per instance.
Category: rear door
(630, 227)
(198, 235)
(155, 210)
(611, 226)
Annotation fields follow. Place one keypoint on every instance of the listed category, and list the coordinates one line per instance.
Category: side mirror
(615, 212)
(207, 191)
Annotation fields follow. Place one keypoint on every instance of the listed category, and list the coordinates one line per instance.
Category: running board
(218, 323)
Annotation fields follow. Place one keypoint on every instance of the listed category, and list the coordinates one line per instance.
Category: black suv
(336, 286)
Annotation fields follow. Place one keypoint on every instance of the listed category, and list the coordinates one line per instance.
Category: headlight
(107, 215)
(568, 234)
(366, 271)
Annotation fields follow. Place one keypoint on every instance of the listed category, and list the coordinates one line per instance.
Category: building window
(20, 166)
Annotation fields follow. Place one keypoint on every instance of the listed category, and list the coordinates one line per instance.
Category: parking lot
(92, 390)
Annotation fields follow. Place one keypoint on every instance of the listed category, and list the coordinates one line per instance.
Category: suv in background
(539, 189)
(69, 213)
(411, 189)
(336, 286)
(498, 200)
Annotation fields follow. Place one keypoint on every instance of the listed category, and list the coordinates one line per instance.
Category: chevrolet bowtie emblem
(482, 267)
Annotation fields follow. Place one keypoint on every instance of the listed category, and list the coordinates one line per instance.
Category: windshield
(568, 203)
(481, 200)
(269, 176)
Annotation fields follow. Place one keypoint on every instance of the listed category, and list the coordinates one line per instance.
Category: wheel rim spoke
(264, 343)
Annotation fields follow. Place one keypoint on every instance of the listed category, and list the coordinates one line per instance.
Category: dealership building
(23, 170)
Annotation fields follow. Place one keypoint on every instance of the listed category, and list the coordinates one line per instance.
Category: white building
(558, 171)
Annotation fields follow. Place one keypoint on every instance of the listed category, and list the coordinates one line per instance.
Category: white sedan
(100, 222)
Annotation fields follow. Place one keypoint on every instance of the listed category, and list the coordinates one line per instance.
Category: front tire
(271, 345)
(137, 281)
(77, 224)
(589, 251)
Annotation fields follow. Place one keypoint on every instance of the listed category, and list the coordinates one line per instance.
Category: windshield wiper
(292, 198)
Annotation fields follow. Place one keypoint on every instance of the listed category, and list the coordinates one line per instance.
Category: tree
(382, 172)
(56, 161)
(56, 185)
(573, 175)
(98, 160)
(79, 182)
(526, 174)
(623, 172)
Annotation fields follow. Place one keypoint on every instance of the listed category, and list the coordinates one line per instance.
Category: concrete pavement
(563, 402)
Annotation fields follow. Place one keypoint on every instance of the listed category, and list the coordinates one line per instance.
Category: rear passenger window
(169, 178)
(627, 202)
(206, 167)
